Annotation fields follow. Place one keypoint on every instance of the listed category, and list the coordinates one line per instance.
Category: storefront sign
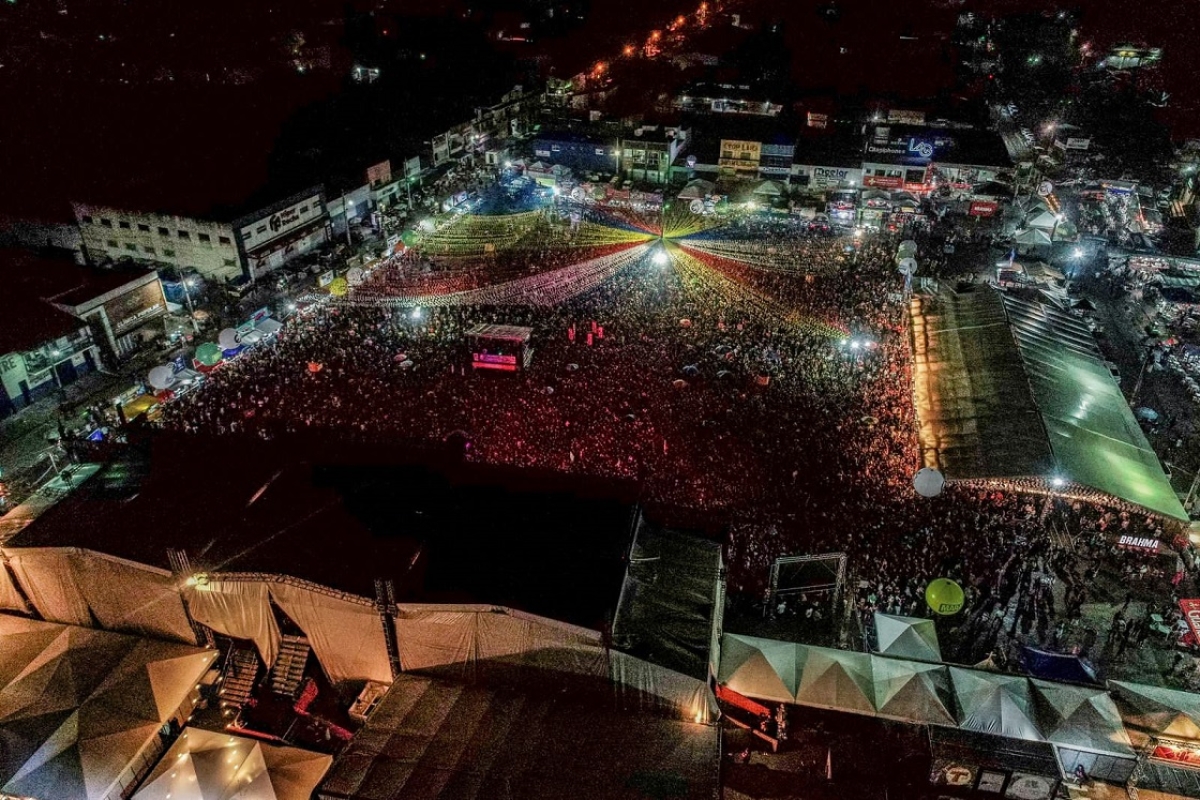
(883, 181)
(903, 117)
(1177, 753)
(1078, 144)
(817, 120)
(1191, 612)
(951, 773)
(826, 177)
(983, 208)
(1145, 543)
(739, 154)
(325, 278)
(379, 173)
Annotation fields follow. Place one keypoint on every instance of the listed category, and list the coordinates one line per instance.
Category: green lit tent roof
(1013, 388)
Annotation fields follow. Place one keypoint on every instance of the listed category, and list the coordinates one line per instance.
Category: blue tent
(1056, 666)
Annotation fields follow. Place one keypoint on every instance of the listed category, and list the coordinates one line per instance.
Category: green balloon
(209, 354)
(944, 596)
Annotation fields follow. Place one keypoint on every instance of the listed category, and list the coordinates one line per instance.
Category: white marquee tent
(1157, 711)
(990, 702)
(204, 765)
(907, 637)
(78, 707)
(762, 668)
(1043, 219)
(911, 691)
(1080, 717)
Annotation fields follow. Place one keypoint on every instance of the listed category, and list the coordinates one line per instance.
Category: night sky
(75, 131)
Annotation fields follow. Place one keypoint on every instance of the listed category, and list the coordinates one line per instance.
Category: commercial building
(918, 158)
(293, 226)
(827, 160)
(511, 116)
(42, 348)
(648, 152)
(219, 249)
(122, 307)
(746, 149)
(111, 234)
(726, 98)
(582, 152)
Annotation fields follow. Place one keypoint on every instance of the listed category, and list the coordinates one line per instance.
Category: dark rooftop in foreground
(432, 739)
(443, 534)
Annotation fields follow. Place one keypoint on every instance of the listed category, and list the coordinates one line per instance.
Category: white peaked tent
(203, 765)
(79, 706)
(764, 669)
(907, 637)
(1043, 219)
(1158, 711)
(912, 692)
(836, 679)
(769, 188)
(989, 702)
(697, 189)
(1080, 717)
(1033, 237)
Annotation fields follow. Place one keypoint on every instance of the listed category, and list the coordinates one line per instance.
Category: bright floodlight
(858, 232)
(1057, 482)
(416, 313)
(661, 258)
(508, 165)
(1077, 252)
(855, 344)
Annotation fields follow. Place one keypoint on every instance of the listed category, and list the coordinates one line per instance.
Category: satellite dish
(161, 378)
(908, 266)
(354, 276)
(907, 248)
(1045, 189)
(696, 206)
(929, 482)
(228, 339)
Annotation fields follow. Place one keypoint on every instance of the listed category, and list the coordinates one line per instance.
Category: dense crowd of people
(756, 378)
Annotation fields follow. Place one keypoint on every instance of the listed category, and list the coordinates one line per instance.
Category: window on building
(111, 242)
(204, 237)
(224, 240)
(149, 250)
(915, 176)
(87, 220)
(303, 209)
(143, 228)
(229, 262)
(184, 235)
(131, 247)
(123, 225)
(163, 232)
(599, 151)
(168, 252)
(261, 229)
(106, 222)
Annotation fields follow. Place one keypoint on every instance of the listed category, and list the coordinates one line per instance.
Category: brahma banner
(1191, 612)
(983, 208)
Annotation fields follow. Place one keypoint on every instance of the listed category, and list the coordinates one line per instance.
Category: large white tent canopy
(79, 706)
(907, 637)
(1080, 717)
(204, 765)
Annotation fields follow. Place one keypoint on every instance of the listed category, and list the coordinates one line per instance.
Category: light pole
(187, 293)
